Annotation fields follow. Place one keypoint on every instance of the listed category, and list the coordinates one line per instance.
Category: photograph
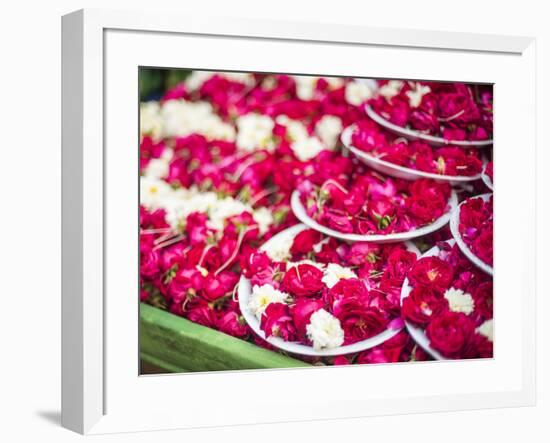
(306, 221)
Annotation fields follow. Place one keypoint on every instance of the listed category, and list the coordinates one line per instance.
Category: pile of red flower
(453, 302)
(369, 137)
(323, 280)
(454, 111)
(367, 203)
(476, 227)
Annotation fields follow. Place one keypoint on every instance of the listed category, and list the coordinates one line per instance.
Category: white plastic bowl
(417, 333)
(245, 290)
(411, 134)
(300, 213)
(399, 171)
(455, 221)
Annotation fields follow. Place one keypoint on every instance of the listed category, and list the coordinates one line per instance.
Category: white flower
(358, 92)
(295, 129)
(157, 168)
(150, 120)
(459, 301)
(334, 273)
(154, 193)
(255, 131)
(305, 86)
(292, 264)
(224, 209)
(324, 330)
(264, 218)
(279, 250)
(196, 79)
(415, 95)
(181, 118)
(486, 329)
(391, 88)
(328, 129)
(262, 296)
(307, 148)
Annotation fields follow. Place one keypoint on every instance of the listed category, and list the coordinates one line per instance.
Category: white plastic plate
(399, 171)
(411, 134)
(245, 290)
(300, 213)
(455, 221)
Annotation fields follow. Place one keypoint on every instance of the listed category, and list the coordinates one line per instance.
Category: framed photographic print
(319, 211)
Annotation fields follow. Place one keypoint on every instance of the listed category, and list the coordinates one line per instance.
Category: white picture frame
(101, 389)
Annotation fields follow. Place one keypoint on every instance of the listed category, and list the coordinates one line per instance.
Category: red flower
(304, 241)
(303, 280)
(233, 324)
(483, 297)
(399, 263)
(301, 312)
(216, 286)
(422, 305)
(432, 272)
(276, 321)
(346, 288)
(450, 333)
(358, 320)
(203, 315)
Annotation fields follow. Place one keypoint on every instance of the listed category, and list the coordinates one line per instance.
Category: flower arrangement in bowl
(369, 207)
(310, 294)
(400, 158)
(472, 228)
(447, 305)
(437, 113)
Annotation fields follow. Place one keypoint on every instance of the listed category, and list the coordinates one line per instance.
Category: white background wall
(30, 218)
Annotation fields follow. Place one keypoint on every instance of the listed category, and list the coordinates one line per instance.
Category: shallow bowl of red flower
(412, 134)
(300, 213)
(399, 171)
(460, 340)
(462, 244)
(245, 292)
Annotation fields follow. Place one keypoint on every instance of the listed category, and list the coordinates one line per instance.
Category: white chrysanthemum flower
(328, 129)
(262, 296)
(358, 92)
(279, 250)
(224, 209)
(324, 330)
(295, 129)
(154, 193)
(486, 329)
(150, 119)
(182, 118)
(157, 168)
(459, 301)
(305, 86)
(196, 79)
(391, 88)
(307, 148)
(334, 273)
(415, 95)
(292, 264)
(264, 218)
(255, 131)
